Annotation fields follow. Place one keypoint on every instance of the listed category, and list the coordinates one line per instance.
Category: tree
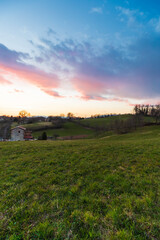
(70, 115)
(24, 113)
(136, 109)
(148, 110)
(44, 136)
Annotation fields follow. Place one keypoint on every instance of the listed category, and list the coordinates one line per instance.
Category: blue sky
(95, 55)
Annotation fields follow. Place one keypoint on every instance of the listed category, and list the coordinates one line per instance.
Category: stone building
(20, 134)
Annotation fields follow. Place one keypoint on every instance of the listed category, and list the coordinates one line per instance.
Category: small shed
(20, 134)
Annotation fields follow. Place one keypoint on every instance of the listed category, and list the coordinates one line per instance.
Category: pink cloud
(32, 75)
(51, 93)
(124, 72)
(98, 98)
(4, 81)
(18, 91)
(11, 64)
(91, 89)
(87, 86)
(118, 100)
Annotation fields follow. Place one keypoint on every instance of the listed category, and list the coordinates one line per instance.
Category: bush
(44, 136)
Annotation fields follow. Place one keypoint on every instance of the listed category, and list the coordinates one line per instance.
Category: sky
(86, 57)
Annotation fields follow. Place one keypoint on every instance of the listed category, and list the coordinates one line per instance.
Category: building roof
(28, 137)
(20, 127)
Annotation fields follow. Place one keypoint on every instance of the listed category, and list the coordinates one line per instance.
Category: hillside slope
(91, 189)
(68, 129)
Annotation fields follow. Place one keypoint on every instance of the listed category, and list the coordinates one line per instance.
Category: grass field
(86, 189)
(68, 129)
(34, 126)
(94, 122)
(76, 128)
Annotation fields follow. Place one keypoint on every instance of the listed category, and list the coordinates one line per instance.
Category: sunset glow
(84, 57)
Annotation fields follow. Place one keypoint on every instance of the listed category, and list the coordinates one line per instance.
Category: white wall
(17, 134)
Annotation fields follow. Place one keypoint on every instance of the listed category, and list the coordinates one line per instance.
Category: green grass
(143, 133)
(85, 189)
(68, 129)
(73, 128)
(34, 126)
(94, 122)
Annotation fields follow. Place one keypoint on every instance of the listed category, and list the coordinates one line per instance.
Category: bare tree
(70, 115)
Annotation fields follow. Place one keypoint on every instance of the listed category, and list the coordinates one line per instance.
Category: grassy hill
(86, 127)
(93, 122)
(106, 121)
(85, 189)
(34, 126)
(68, 129)
(38, 125)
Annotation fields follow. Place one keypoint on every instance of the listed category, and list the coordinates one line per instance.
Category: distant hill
(90, 128)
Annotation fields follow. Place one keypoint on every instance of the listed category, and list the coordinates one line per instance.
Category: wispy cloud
(110, 73)
(96, 10)
(130, 15)
(51, 32)
(155, 23)
(13, 63)
(3, 80)
(51, 92)
(18, 91)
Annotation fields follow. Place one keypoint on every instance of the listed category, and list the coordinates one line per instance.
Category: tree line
(148, 110)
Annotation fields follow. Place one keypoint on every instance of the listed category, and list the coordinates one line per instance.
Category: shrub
(44, 136)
